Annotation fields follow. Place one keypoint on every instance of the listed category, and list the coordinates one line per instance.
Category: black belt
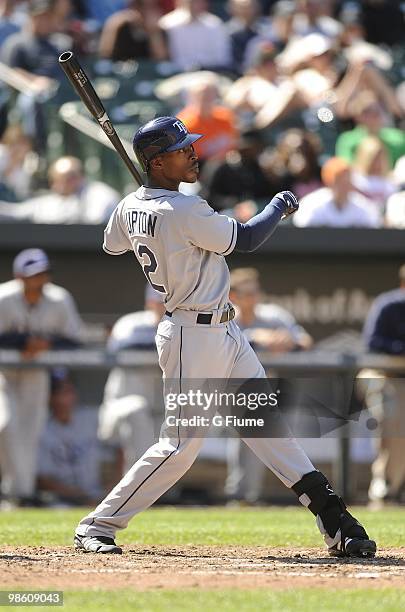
(205, 318)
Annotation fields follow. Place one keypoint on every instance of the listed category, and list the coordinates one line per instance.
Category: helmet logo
(180, 126)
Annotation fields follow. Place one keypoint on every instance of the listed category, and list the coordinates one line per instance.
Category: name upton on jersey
(141, 222)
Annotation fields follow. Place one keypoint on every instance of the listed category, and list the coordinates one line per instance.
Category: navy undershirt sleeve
(382, 328)
(256, 231)
(17, 340)
(13, 340)
(61, 342)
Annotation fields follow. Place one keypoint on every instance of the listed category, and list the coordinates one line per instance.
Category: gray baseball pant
(190, 351)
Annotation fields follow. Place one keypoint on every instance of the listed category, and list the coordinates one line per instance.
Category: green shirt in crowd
(393, 139)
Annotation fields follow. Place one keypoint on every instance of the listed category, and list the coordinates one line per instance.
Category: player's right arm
(116, 241)
(11, 337)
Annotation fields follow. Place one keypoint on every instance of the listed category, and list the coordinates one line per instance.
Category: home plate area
(210, 567)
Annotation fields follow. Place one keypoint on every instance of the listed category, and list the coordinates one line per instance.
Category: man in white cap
(35, 316)
(71, 198)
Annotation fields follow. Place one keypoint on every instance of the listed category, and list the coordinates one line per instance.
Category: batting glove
(290, 202)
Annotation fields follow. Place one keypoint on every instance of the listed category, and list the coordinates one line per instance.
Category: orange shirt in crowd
(166, 5)
(220, 132)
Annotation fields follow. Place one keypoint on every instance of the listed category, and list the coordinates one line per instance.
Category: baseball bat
(85, 90)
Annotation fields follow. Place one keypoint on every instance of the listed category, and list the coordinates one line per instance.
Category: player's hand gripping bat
(292, 203)
(86, 92)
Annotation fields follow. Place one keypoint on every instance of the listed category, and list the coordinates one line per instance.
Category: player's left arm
(222, 234)
(209, 230)
(257, 230)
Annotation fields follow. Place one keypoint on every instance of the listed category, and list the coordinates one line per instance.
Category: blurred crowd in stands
(307, 95)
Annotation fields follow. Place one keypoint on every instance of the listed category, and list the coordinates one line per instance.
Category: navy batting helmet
(161, 135)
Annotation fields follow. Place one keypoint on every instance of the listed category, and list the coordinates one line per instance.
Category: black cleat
(97, 544)
(354, 547)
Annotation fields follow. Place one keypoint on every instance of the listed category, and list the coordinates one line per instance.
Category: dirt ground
(152, 567)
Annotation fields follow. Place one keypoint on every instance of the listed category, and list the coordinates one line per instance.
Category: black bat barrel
(85, 90)
(81, 83)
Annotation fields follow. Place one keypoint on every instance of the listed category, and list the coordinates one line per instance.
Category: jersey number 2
(151, 267)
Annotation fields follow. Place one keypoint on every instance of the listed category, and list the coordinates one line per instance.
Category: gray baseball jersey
(180, 243)
(55, 313)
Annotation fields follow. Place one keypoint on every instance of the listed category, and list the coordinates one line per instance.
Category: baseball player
(35, 315)
(181, 244)
(69, 459)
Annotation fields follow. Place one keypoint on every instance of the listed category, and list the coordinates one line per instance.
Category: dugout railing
(341, 368)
